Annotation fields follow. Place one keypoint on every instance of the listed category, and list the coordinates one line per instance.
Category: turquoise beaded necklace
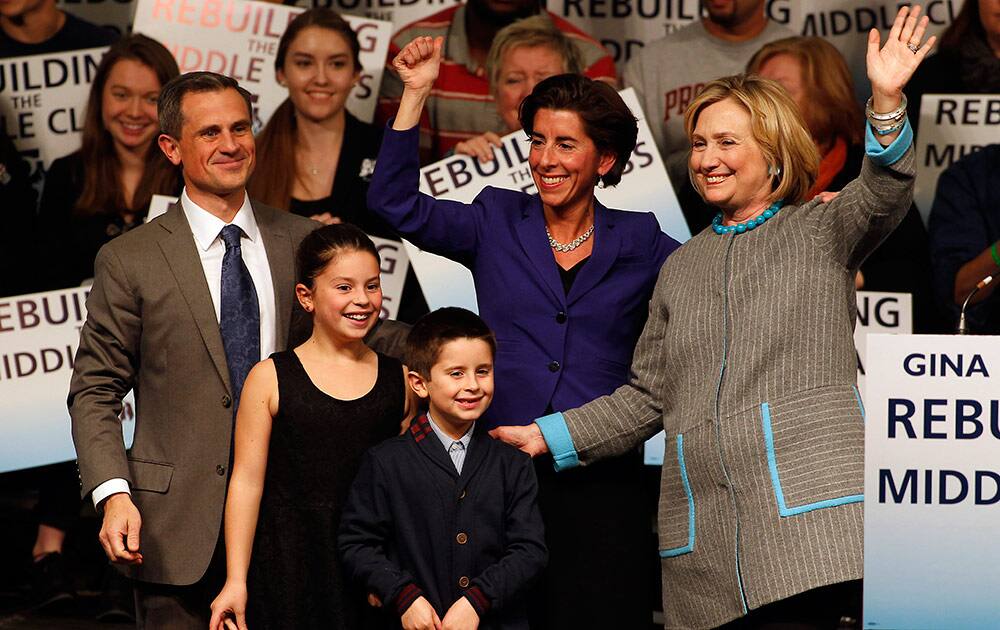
(746, 226)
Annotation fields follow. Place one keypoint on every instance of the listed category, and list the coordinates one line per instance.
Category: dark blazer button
(463, 582)
(227, 402)
(554, 366)
(461, 538)
(220, 470)
(560, 317)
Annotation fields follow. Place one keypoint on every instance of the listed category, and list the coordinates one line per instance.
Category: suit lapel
(531, 234)
(182, 257)
(429, 444)
(281, 260)
(607, 244)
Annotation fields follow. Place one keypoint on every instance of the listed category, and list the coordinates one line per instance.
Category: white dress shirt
(456, 448)
(206, 228)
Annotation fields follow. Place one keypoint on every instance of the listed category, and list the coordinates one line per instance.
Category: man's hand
(529, 439)
(461, 616)
(421, 616)
(120, 530)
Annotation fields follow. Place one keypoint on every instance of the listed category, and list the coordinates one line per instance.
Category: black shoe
(51, 584)
(117, 600)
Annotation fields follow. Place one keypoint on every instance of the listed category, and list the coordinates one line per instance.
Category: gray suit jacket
(151, 326)
(747, 362)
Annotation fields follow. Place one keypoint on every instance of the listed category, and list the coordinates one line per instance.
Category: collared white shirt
(206, 228)
(456, 448)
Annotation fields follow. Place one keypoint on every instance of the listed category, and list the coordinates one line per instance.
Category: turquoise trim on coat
(779, 495)
(861, 404)
(689, 547)
(559, 441)
(884, 156)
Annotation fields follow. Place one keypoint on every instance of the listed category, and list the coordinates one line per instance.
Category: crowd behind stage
(316, 160)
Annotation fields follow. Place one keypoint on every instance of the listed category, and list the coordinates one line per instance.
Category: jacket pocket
(150, 476)
(676, 520)
(814, 442)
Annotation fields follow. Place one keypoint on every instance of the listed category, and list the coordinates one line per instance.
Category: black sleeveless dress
(295, 579)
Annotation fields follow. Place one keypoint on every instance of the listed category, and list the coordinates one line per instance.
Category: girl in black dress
(305, 418)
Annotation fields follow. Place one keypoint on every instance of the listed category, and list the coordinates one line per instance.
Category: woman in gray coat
(747, 360)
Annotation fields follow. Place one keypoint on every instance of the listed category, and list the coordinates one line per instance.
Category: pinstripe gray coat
(747, 362)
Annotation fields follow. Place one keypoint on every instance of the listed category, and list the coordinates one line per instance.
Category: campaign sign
(399, 12)
(845, 24)
(395, 263)
(43, 101)
(644, 187)
(239, 38)
(932, 482)
(885, 313)
(113, 14)
(39, 334)
(951, 127)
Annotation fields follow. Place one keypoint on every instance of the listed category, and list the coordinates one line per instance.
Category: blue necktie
(239, 318)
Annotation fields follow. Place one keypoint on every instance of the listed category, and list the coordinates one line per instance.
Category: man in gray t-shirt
(668, 73)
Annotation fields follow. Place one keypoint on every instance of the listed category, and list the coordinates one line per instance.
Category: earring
(774, 171)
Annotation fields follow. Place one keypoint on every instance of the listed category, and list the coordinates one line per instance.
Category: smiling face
(128, 105)
(460, 386)
(564, 162)
(319, 72)
(216, 146)
(727, 164)
(521, 69)
(346, 297)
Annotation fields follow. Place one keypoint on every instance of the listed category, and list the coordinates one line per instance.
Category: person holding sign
(564, 282)
(748, 364)
(316, 158)
(522, 54)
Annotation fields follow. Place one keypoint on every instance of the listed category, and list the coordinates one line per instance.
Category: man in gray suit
(180, 310)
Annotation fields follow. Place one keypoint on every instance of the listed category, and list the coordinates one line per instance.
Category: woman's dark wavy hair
(607, 120)
(324, 244)
(102, 190)
(966, 24)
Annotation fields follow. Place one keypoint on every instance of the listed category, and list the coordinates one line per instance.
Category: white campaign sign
(845, 24)
(951, 127)
(887, 313)
(399, 12)
(395, 263)
(932, 482)
(644, 187)
(39, 334)
(43, 99)
(239, 38)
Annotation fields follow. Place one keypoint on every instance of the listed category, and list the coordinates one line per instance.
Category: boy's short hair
(432, 331)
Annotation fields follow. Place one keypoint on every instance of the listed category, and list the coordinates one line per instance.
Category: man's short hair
(169, 104)
(432, 331)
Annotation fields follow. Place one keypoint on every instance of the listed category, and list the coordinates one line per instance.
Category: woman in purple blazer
(565, 283)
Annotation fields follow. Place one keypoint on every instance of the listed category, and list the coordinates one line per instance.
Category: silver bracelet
(896, 114)
(885, 130)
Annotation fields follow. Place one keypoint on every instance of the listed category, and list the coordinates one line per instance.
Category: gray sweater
(747, 362)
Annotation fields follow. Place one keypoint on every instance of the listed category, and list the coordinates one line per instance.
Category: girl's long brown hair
(102, 190)
(275, 172)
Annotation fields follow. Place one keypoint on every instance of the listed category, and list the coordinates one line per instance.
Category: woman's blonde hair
(537, 30)
(833, 109)
(776, 125)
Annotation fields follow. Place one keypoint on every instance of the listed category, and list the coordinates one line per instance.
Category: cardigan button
(461, 538)
(227, 402)
(462, 495)
(560, 317)
(463, 582)
(554, 366)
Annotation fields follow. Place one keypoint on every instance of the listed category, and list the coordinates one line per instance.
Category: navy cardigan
(554, 351)
(413, 526)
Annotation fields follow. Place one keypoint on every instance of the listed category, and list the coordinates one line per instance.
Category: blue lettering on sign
(969, 424)
(944, 487)
(918, 364)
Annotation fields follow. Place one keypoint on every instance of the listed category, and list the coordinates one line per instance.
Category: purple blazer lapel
(607, 244)
(531, 234)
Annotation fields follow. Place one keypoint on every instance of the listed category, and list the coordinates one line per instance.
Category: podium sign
(932, 482)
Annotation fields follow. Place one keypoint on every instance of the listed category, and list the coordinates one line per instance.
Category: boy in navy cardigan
(441, 523)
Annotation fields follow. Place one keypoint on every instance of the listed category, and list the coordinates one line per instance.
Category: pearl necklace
(746, 226)
(568, 247)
